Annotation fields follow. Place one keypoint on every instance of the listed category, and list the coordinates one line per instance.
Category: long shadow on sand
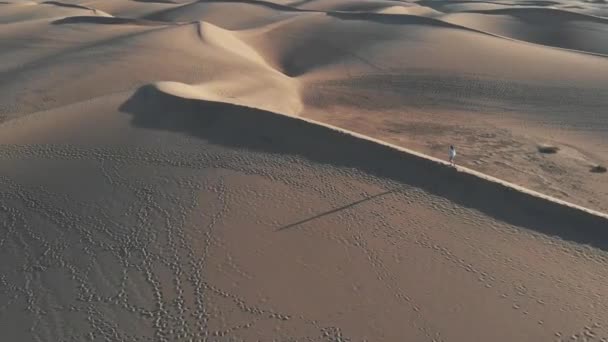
(253, 129)
(329, 212)
(106, 21)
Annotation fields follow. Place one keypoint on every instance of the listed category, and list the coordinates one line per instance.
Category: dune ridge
(219, 37)
(108, 20)
(149, 102)
(533, 12)
(388, 18)
(545, 26)
(160, 96)
(395, 16)
(261, 170)
(236, 159)
(69, 5)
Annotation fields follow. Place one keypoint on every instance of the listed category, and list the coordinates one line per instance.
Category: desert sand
(275, 170)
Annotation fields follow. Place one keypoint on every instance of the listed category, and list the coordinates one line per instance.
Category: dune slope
(187, 223)
(173, 170)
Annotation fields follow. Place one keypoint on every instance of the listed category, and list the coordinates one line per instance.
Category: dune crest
(411, 10)
(225, 39)
(153, 98)
(250, 93)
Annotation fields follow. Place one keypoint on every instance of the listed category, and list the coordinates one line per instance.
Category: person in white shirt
(452, 155)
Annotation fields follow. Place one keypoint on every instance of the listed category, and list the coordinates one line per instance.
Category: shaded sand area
(161, 179)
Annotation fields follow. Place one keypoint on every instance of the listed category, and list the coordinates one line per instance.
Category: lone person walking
(452, 155)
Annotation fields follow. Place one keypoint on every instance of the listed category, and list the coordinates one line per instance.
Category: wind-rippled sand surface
(156, 187)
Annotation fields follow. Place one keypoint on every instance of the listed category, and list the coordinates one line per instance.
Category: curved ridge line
(360, 16)
(266, 4)
(400, 149)
(507, 11)
(111, 20)
(583, 52)
(262, 61)
(466, 170)
(61, 4)
(404, 150)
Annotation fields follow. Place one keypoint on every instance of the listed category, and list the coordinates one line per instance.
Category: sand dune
(146, 240)
(412, 10)
(549, 27)
(132, 9)
(105, 20)
(19, 12)
(126, 50)
(275, 170)
(220, 13)
(347, 6)
(546, 15)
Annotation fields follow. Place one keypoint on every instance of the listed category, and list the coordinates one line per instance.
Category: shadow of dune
(402, 19)
(241, 127)
(107, 21)
(268, 4)
(297, 3)
(157, 1)
(396, 19)
(439, 4)
(544, 16)
(67, 5)
(331, 51)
